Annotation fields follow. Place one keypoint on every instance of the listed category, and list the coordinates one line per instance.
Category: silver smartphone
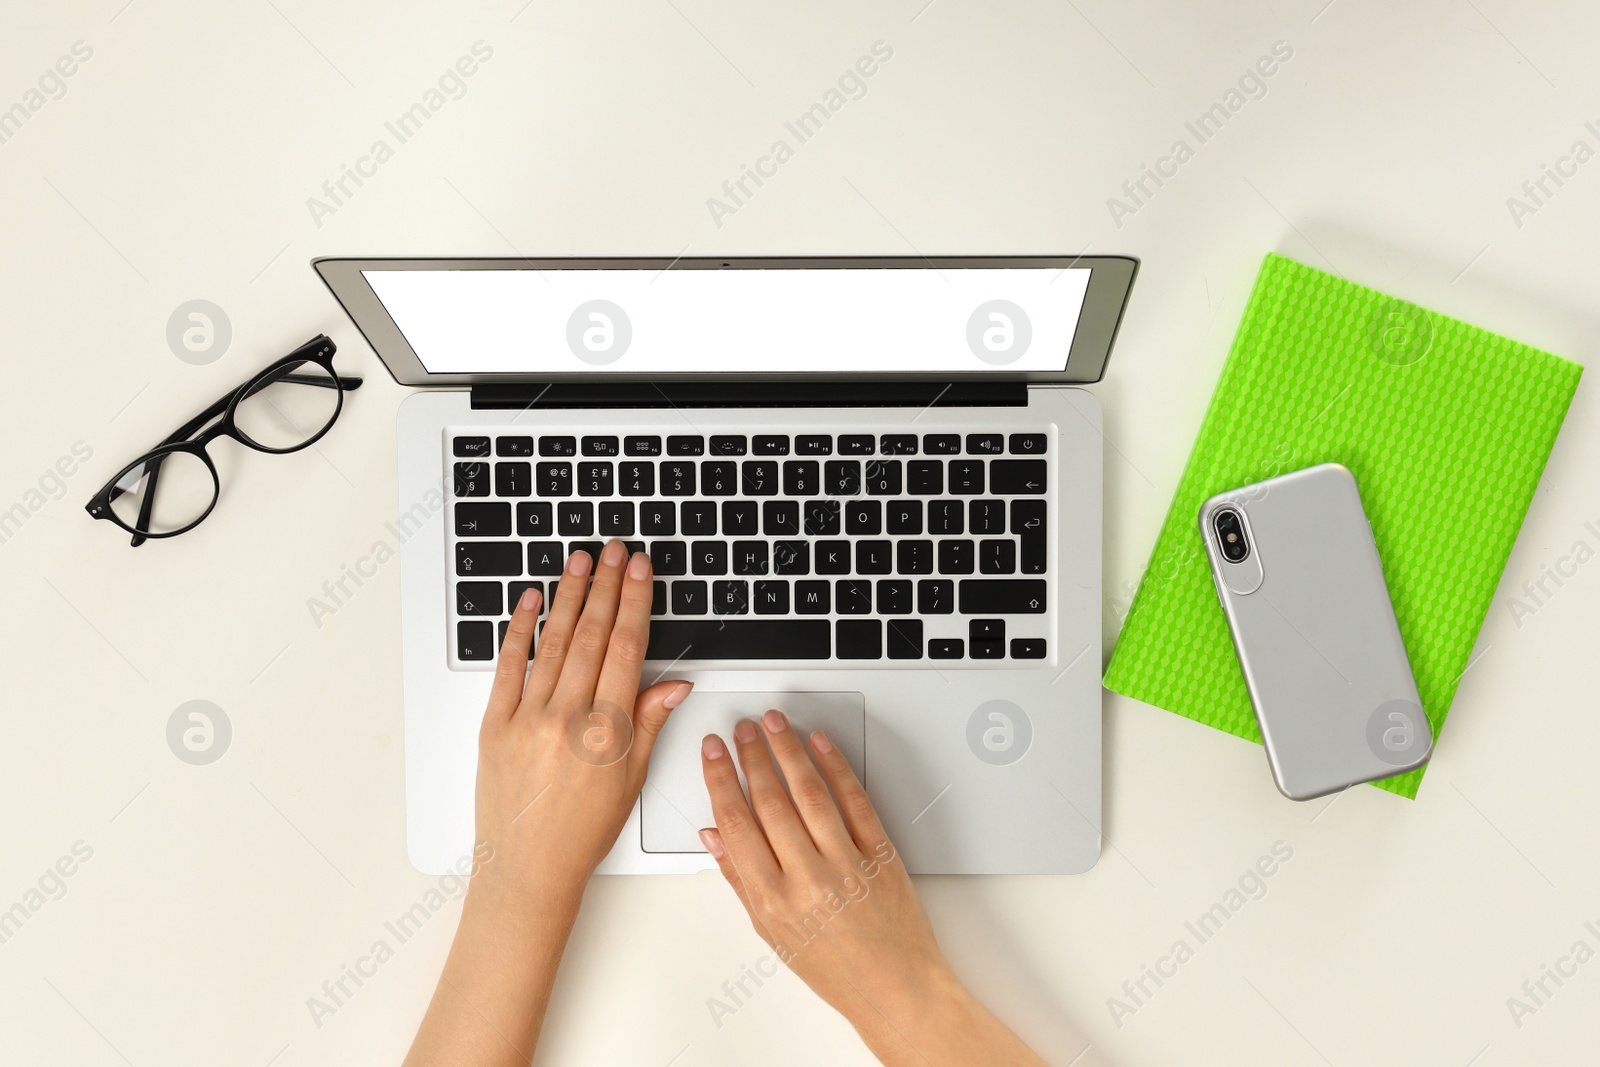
(1302, 586)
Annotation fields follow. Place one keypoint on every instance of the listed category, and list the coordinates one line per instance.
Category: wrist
(515, 904)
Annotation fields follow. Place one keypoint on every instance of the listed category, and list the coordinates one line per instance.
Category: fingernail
(578, 563)
(745, 731)
(820, 742)
(677, 696)
(712, 748)
(639, 566)
(611, 555)
(774, 722)
(713, 846)
(530, 598)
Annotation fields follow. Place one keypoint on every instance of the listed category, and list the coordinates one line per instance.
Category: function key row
(889, 444)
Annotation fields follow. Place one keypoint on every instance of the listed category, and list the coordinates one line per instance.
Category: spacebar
(672, 639)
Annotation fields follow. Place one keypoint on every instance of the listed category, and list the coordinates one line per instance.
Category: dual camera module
(1229, 528)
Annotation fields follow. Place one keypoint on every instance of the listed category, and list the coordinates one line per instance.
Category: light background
(177, 166)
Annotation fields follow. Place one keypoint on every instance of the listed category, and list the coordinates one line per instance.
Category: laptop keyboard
(802, 546)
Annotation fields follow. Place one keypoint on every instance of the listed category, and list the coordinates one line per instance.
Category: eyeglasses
(285, 408)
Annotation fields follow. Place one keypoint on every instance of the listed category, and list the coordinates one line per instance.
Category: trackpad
(674, 805)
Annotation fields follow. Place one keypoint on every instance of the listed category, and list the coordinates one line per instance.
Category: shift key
(1002, 596)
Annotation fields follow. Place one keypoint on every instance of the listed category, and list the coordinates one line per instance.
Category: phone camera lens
(1230, 535)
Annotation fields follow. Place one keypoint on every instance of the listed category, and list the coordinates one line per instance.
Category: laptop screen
(938, 320)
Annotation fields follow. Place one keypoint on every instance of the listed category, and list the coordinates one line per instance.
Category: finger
(712, 840)
(650, 711)
(812, 799)
(556, 637)
(630, 633)
(859, 815)
(511, 672)
(746, 843)
(592, 634)
(791, 841)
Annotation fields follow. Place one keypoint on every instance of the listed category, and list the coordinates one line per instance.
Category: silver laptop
(870, 491)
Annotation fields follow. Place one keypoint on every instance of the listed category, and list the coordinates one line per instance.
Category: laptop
(870, 488)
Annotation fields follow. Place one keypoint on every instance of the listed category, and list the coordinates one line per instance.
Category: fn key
(475, 640)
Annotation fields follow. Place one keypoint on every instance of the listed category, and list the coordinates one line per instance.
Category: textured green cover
(1446, 427)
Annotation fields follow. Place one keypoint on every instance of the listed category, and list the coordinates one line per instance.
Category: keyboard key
(669, 557)
(642, 446)
(555, 479)
(1028, 444)
(914, 557)
(472, 479)
(594, 479)
(791, 557)
(658, 598)
(575, 519)
(513, 479)
(739, 518)
(883, 477)
(471, 446)
(636, 479)
(601, 446)
(772, 598)
(986, 517)
(672, 639)
(957, 557)
(588, 548)
(758, 478)
(988, 650)
(728, 444)
(904, 516)
(750, 557)
(514, 591)
(946, 648)
(719, 478)
(475, 640)
(946, 517)
(1002, 596)
(985, 444)
(833, 557)
(925, 477)
(513, 446)
(801, 478)
(730, 597)
(686, 445)
(488, 558)
(997, 556)
(905, 638)
(852, 596)
(863, 517)
(855, 444)
(898, 444)
(966, 476)
(841, 477)
(770, 446)
(535, 519)
(986, 629)
(688, 598)
(874, 557)
(709, 557)
(822, 517)
(545, 557)
(699, 517)
(1028, 523)
(616, 518)
(780, 518)
(941, 444)
(558, 446)
(936, 596)
(677, 479)
(858, 638)
(658, 518)
(1027, 647)
(894, 597)
(812, 598)
(483, 520)
(1018, 477)
(480, 598)
(813, 445)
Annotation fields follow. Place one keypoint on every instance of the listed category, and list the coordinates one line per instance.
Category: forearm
(489, 1006)
(943, 1026)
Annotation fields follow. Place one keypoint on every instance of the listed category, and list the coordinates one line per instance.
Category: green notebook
(1447, 428)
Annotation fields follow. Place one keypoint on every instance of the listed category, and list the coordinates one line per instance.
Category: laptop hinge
(785, 394)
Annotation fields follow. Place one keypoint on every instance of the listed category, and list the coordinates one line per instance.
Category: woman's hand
(824, 887)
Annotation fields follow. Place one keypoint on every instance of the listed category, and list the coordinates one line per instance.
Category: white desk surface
(177, 165)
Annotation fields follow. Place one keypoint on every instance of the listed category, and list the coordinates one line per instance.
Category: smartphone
(1301, 583)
